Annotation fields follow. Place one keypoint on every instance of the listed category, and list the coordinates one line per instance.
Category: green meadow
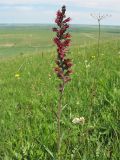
(29, 94)
(25, 39)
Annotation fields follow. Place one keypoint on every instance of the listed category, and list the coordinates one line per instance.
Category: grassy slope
(27, 121)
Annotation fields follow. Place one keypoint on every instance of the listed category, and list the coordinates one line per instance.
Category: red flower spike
(62, 41)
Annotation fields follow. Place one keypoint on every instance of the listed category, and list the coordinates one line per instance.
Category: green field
(15, 39)
(27, 104)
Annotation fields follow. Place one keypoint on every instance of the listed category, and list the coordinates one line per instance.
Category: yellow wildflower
(17, 75)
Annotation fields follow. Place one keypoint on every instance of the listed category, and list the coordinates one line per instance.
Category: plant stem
(98, 37)
(58, 121)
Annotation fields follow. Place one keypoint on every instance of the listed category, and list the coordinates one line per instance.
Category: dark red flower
(59, 13)
(67, 35)
(67, 20)
(66, 43)
(68, 72)
(62, 40)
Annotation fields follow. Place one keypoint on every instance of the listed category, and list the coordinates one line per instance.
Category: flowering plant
(63, 69)
(62, 40)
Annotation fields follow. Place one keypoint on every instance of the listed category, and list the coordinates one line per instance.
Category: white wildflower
(80, 120)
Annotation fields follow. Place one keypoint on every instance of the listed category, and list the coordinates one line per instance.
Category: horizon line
(30, 23)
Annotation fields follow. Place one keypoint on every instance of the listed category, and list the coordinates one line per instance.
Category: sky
(44, 11)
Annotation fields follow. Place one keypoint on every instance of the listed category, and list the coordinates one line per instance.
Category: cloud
(82, 3)
(39, 11)
(98, 4)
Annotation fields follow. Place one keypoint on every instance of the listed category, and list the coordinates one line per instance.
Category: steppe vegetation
(28, 94)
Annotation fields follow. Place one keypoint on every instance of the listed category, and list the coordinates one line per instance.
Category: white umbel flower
(80, 120)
